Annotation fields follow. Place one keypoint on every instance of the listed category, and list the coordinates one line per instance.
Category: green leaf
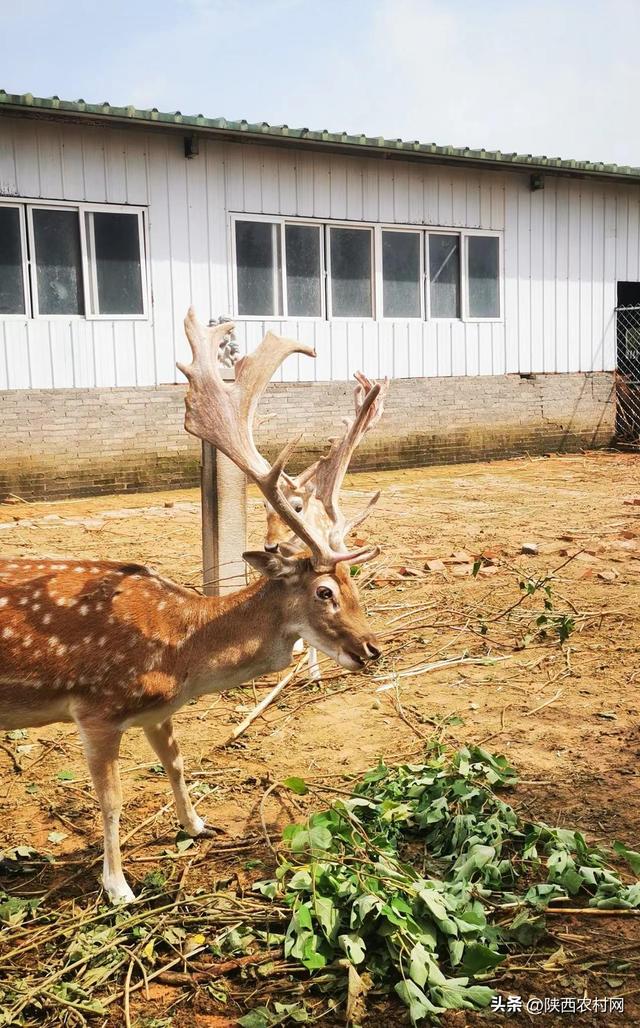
(260, 1017)
(66, 776)
(631, 856)
(414, 998)
(297, 785)
(328, 917)
(311, 839)
(353, 946)
(479, 958)
(57, 837)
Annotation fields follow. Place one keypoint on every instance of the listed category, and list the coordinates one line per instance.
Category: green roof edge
(282, 133)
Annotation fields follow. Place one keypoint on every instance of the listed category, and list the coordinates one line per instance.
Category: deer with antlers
(313, 493)
(109, 646)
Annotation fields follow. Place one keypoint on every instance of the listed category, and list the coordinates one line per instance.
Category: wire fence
(628, 375)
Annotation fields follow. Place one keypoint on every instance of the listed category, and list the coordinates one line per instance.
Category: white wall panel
(564, 249)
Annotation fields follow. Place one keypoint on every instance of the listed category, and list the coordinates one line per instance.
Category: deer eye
(323, 593)
(296, 503)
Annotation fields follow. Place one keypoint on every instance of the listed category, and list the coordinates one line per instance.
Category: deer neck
(239, 637)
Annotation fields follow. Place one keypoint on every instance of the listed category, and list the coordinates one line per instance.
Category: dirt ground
(565, 714)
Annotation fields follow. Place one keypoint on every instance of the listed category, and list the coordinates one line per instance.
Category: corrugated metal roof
(303, 137)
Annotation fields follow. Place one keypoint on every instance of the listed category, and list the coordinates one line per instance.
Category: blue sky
(558, 77)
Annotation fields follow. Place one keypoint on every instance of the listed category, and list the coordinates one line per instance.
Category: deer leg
(165, 744)
(101, 746)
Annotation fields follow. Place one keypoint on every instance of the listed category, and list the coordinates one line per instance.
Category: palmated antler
(369, 400)
(222, 413)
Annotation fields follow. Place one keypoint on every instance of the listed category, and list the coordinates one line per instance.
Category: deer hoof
(119, 893)
(201, 830)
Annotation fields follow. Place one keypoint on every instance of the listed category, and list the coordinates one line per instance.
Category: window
(350, 261)
(304, 267)
(444, 275)
(114, 251)
(12, 284)
(483, 274)
(372, 271)
(58, 260)
(258, 264)
(401, 275)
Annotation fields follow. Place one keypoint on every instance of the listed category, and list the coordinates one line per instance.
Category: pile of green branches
(421, 881)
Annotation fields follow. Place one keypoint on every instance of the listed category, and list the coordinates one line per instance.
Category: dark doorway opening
(628, 363)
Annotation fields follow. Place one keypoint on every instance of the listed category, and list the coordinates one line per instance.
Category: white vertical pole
(223, 493)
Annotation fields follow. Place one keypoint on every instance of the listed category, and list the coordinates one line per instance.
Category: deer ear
(271, 565)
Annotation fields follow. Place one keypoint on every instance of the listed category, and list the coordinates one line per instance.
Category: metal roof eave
(79, 112)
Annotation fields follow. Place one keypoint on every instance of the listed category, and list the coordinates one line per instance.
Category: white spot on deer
(99, 606)
(7, 633)
(35, 606)
(59, 567)
(111, 620)
(41, 567)
(23, 601)
(162, 604)
(37, 593)
(26, 642)
(3, 601)
(12, 567)
(61, 650)
(87, 640)
(46, 618)
(102, 640)
(84, 610)
(70, 685)
(52, 641)
(94, 571)
(79, 570)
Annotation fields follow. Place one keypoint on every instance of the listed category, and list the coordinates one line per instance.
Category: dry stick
(139, 985)
(546, 703)
(269, 698)
(127, 987)
(595, 911)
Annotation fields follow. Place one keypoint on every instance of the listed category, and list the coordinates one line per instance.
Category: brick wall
(58, 443)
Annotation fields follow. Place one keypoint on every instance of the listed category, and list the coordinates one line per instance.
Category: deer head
(323, 602)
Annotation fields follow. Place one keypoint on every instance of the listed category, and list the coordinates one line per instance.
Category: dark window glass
(11, 277)
(58, 261)
(351, 289)
(483, 270)
(302, 243)
(444, 276)
(258, 267)
(401, 274)
(117, 262)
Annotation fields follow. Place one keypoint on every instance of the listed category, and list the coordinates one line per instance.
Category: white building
(461, 273)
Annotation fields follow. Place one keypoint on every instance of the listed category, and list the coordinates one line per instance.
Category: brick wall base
(59, 443)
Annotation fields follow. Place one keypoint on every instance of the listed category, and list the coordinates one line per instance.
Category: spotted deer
(302, 491)
(110, 646)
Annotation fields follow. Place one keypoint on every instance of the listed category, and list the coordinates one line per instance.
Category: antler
(222, 413)
(369, 400)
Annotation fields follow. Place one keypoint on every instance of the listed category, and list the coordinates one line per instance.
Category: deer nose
(271, 547)
(372, 651)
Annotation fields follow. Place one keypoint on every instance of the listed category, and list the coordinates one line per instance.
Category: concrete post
(223, 493)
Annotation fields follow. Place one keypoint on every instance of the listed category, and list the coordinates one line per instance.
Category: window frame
(282, 222)
(26, 206)
(91, 276)
(374, 252)
(377, 283)
(475, 319)
(427, 284)
(424, 313)
(25, 254)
